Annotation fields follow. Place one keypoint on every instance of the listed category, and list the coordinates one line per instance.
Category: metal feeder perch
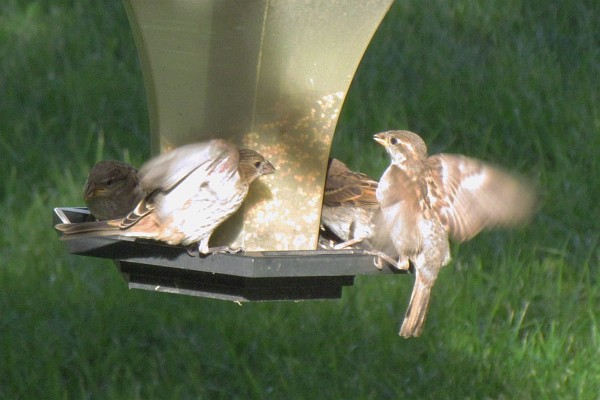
(271, 76)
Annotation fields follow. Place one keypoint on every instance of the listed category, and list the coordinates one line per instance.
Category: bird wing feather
(469, 195)
(166, 170)
(346, 187)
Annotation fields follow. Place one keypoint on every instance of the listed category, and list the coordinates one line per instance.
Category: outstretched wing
(469, 195)
(166, 170)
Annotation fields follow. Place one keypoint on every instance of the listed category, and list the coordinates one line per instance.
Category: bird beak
(88, 193)
(268, 168)
(380, 138)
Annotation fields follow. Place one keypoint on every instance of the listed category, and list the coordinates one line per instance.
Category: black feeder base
(250, 276)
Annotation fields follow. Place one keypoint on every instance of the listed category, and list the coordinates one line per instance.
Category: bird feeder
(271, 76)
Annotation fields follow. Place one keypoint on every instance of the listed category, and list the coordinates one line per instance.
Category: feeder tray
(250, 276)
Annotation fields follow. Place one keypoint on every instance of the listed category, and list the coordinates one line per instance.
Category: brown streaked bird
(351, 212)
(425, 200)
(191, 190)
(349, 204)
(112, 189)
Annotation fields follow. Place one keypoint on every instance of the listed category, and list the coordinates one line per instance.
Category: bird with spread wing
(191, 190)
(425, 200)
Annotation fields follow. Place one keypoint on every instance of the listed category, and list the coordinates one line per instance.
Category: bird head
(253, 165)
(404, 147)
(108, 178)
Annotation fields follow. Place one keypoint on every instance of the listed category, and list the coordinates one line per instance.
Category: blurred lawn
(514, 316)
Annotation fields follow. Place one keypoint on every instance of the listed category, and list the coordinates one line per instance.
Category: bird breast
(348, 222)
(209, 199)
(400, 207)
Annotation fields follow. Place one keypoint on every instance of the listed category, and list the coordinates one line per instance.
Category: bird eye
(110, 182)
(394, 141)
(257, 164)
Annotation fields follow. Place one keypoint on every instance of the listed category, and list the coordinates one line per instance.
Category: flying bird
(112, 190)
(191, 190)
(425, 200)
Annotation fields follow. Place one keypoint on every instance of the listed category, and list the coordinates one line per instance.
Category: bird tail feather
(84, 229)
(414, 319)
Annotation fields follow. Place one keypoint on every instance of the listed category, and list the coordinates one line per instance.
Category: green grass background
(514, 316)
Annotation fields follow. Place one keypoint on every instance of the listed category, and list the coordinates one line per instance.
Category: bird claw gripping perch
(194, 251)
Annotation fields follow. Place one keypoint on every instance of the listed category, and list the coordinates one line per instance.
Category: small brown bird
(351, 212)
(349, 204)
(191, 190)
(425, 200)
(112, 190)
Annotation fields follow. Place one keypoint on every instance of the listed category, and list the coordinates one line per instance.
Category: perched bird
(349, 204)
(425, 200)
(351, 211)
(112, 189)
(191, 190)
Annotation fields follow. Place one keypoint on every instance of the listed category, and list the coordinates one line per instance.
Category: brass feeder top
(271, 76)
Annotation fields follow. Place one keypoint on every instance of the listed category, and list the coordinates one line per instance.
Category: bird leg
(347, 243)
(193, 251)
(382, 258)
(403, 264)
(225, 250)
(198, 250)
